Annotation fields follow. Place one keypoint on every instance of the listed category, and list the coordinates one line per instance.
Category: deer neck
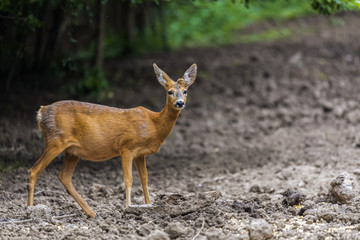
(167, 120)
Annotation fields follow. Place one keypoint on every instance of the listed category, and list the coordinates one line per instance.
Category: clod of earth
(260, 229)
(323, 211)
(214, 233)
(308, 204)
(174, 204)
(39, 211)
(176, 230)
(98, 191)
(342, 188)
(293, 197)
(158, 235)
(327, 212)
(246, 207)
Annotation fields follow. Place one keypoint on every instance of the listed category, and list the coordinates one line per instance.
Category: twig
(65, 216)
(202, 226)
(29, 220)
(19, 221)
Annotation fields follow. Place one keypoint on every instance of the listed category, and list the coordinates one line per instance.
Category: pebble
(310, 219)
(353, 117)
(70, 226)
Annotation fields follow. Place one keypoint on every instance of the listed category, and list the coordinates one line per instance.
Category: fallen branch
(202, 226)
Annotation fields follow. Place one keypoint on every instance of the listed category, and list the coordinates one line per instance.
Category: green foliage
(17, 19)
(209, 23)
(30, 31)
(94, 81)
(92, 85)
(329, 6)
(22, 13)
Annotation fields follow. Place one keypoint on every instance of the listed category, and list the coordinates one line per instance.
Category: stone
(327, 216)
(353, 116)
(70, 226)
(255, 188)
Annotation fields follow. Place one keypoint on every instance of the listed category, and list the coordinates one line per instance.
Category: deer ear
(190, 75)
(161, 76)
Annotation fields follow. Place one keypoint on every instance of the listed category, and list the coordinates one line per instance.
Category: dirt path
(267, 129)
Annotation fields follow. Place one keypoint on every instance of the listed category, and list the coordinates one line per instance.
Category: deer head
(176, 91)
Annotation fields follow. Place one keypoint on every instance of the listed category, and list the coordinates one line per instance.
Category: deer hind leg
(65, 178)
(140, 163)
(50, 152)
(126, 164)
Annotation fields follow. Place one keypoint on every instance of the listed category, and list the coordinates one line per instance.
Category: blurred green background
(69, 40)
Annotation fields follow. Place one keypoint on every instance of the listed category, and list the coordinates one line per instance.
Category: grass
(10, 167)
(208, 23)
(266, 36)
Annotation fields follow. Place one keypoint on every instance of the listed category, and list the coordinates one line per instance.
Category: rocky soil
(267, 148)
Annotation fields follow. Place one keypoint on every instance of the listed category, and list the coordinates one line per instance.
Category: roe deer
(97, 133)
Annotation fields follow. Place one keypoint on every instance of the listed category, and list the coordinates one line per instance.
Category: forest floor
(268, 146)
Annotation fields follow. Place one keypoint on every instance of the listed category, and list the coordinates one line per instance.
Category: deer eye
(185, 92)
(171, 92)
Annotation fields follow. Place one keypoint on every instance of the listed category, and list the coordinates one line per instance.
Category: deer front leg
(140, 163)
(126, 163)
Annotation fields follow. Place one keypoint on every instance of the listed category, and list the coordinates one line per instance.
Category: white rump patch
(39, 116)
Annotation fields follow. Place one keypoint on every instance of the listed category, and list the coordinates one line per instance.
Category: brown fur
(97, 133)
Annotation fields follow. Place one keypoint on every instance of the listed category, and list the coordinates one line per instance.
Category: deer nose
(179, 104)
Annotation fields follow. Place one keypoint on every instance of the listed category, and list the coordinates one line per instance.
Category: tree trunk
(59, 18)
(127, 27)
(47, 37)
(163, 34)
(99, 35)
(41, 35)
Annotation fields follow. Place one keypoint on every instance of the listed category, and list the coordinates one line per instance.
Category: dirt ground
(266, 148)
